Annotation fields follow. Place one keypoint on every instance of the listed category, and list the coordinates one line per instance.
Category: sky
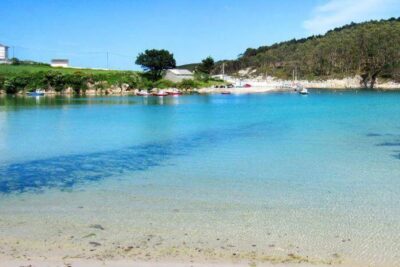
(86, 31)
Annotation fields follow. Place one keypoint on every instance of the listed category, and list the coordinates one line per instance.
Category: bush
(2, 80)
(162, 84)
(14, 84)
(77, 81)
(188, 84)
(54, 80)
(15, 61)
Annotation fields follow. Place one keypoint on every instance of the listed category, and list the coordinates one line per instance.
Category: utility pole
(107, 60)
(12, 49)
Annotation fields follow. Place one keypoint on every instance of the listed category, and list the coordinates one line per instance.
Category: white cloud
(336, 13)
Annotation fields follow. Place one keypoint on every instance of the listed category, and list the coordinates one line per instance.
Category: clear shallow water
(274, 177)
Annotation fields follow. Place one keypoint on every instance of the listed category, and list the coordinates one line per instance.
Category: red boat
(160, 94)
(174, 93)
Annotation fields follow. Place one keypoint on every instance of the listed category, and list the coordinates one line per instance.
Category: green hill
(370, 49)
(10, 70)
(191, 67)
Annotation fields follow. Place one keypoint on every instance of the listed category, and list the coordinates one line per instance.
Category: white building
(3, 53)
(64, 63)
(177, 75)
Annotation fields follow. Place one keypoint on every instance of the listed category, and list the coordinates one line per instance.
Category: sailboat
(297, 87)
(303, 91)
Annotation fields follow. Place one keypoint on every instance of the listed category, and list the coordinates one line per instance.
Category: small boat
(303, 91)
(226, 92)
(160, 93)
(143, 93)
(37, 92)
(174, 91)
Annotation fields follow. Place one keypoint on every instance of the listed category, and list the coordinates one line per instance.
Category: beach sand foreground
(125, 263)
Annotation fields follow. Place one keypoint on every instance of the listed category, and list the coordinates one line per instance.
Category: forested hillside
(370, 49)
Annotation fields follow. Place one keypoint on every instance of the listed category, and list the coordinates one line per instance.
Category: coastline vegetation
(370, 49)
(25, 76)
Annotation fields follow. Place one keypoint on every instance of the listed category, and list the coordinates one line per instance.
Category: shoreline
(257, 86)
(210, 90)
(133, 263)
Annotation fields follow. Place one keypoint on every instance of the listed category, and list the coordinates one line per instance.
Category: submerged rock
(93, 243)
(97, 226)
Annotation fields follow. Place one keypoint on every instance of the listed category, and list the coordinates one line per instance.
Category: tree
(206, 66)
(15, 84)
(155, 62)
(15, 61)
(78, 81)
(54, 80)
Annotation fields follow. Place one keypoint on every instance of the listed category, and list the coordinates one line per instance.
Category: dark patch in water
(64, 172)
(397, 156)
(373, 134)
(389, 144)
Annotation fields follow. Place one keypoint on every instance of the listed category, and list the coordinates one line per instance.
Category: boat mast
(223, 71)
(293, 76)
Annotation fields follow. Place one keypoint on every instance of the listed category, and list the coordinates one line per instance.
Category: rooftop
(181, 71)
(59, 61)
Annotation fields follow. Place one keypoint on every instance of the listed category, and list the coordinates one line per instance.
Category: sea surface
(274, 177)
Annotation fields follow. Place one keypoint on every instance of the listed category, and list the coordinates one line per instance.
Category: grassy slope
(16, 69)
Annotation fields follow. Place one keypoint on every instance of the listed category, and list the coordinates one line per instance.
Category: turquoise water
(263, 176)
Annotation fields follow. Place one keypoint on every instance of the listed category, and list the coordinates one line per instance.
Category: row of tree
(155, 62)
(80, 81)
(60, 81)
(370, 49)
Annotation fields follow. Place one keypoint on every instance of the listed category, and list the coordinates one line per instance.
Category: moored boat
(160, 93)
(143, 93)
(303, 91)
(174, 91)
(37, 92)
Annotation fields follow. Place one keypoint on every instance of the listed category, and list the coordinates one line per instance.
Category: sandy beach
(272, 84)
(81, 263)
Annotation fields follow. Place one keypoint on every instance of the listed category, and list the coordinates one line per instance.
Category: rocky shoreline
(257, 86)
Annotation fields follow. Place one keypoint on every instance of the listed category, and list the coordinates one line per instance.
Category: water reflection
(23, 102)
(17, 102)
